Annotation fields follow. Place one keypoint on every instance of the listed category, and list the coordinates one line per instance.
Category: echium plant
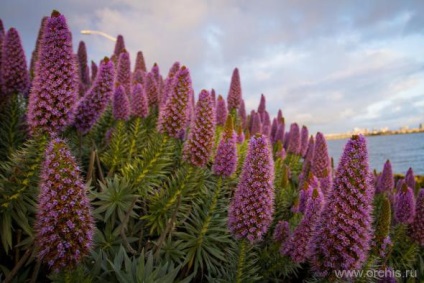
(294, 146)
(304, 141)
(169, 83)
(387, 182)
(198, 146)
(321, 164)
(410, 179)
(139, 106)
(119, 45)
(343, 233)
(417, 226)
(251, 210)
(234, 93)
(94, 70)
(120, 104)
(14, 76)
(297, 245)
(221, 111)
(90, 107)
(84, 71)
(225, 163)
(34, 55)
(123, 72)
(404, 208)
(54, 88)
(64, 224)
(152, 90)
(174, 116)
(140, 64)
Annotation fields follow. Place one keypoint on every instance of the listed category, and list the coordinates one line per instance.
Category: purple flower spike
(304, 139)
(256, 124)
(221, 111)
(410, 178)
(198, 147)
(174, 116)
(297, 246)
(307, 163)
(14, 74)
(169, 83)
(342, 237)
(140, 64)
(94, 70)
(226, 155)
(2, 32)
(121, 104)
(152, 90)
(251, 209)
(274, 127)
(308, 186)
(240, 135)
(266, 120)
(279, 135)
(84, 72)
(242, 114)
(404, 209)
(213, 95)
(417, 226)
(123, 73)
(262, 105)
(119, 46)
(321, 164)
(387, 182)
(234, 93)
(91, 107)
(35, 53)
(54, 88)
(294, 142)
(64, 224)
(281, 232)
(140, 107)
(279, 115)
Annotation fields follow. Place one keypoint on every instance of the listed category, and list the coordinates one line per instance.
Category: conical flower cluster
(139, 105)
(251, 209)
(304, 141)
(120, 104)
(297, 247)
(387, 182)
(410, 178)
(294, 146)
(174, 116)
(281, 232)
(343, 234)
(169, 83)
(417, 226)
(64, 225)
(14, 76)
(54, 88)
(198, 147)
(140, 64)
(123, 73)
(234, 93)
(94, 103)
(94, 70)
(34, 56)
(321, 164)
(308, 186)
(119, 46)
(226, 155)
(84, 71)
(221, 111)
(404, 209)
(152, 90)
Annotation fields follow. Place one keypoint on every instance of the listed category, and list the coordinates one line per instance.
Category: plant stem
(241, 261)
(18, 266)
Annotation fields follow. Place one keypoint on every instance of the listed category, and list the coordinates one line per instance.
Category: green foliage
(404, 253)
(12, 127)
(205, 239)
(19, 189)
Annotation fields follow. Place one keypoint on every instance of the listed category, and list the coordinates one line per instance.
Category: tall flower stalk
(225, 163)
(64, 224)
(343, 233)
(198, 147)
(54, 88)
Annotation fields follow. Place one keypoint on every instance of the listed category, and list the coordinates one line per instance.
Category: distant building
(421, 126)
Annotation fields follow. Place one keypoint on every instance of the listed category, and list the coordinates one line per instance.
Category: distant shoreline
(373, 133)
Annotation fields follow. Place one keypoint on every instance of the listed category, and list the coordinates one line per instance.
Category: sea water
(403, 151)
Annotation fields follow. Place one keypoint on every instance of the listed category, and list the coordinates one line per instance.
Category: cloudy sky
(331, 65)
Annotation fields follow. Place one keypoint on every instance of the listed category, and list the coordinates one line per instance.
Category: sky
(330, 65)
